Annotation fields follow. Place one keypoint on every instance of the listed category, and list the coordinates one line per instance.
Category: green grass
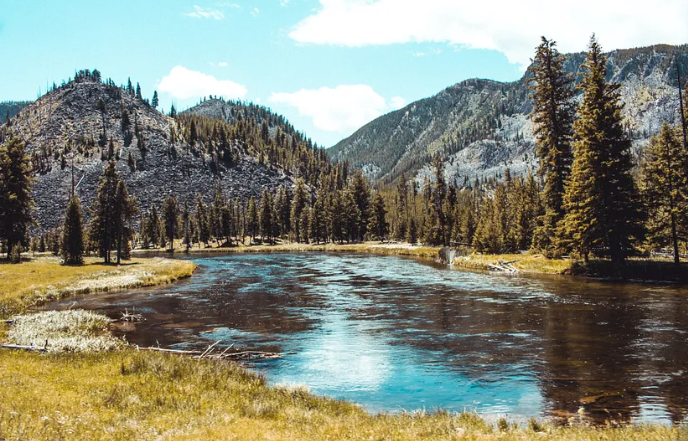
(128, 395)
(43, 279)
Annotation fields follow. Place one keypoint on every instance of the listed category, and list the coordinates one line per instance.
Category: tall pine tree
(16, 202)
(664, 186)
(553, 114)
(601, 201)
(73, 233)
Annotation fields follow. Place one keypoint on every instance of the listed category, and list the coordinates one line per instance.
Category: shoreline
(42, 279)
(635, 270)
(130, 394)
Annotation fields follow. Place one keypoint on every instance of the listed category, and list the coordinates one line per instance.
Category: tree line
(589, 196)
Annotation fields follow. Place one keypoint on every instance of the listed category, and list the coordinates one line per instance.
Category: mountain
(229, 111)
(482, 126)
(13, 106)
(154, 152)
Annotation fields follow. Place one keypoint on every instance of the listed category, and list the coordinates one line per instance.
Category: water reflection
(393, 333)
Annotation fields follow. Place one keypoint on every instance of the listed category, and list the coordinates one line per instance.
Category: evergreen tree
(124, 210)
(362, 194)
(16, 202)
(103, 226)
(266, 216)
(138, 92)
(186, 225)
(297, 206)
(155, 102)
(73, 233)
(170, 215)
(553, 114)
(601, 201)
(252, 218)
(351, 216)
(664, 186)
(153, 227)
(202, 221)
(378, 219)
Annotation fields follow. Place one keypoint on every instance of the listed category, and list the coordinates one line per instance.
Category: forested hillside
(89, 120)
(482, 127)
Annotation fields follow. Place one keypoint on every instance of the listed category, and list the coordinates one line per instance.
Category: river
(396, 334)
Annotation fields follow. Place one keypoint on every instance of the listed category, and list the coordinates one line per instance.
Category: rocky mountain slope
(152, 155)
(482, 126)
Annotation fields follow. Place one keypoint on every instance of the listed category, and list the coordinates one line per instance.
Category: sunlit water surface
(398, 334)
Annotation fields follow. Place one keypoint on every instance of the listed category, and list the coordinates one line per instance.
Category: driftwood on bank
(209, 353)
(26, 348)
(504, 267)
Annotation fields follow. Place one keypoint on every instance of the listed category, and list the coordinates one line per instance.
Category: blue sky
(329, 66)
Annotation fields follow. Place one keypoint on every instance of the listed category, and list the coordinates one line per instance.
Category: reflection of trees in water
(588, 349)
(589, 359)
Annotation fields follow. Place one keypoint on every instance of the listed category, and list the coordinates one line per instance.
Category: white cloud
(183, 83)
(511, 27)
(223, 64)
(199, 12)
(345, 107)
(255, 12)
(397, 102)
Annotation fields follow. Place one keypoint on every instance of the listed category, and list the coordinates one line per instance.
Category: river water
(397, 334)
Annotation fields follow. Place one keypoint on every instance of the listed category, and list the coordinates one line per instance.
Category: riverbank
(396, 249)
(136, 395)
(635, 269)
(42, 279)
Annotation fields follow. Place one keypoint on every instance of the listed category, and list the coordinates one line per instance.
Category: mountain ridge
(482, 125)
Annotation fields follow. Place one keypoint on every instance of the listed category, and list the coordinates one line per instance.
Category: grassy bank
(43, 279)
(400, 249)
(130, 395)
(527, 263)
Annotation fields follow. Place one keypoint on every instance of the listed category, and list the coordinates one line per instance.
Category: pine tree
(124, 210)
(202, 221)
(153, 227)
(186, 225)
(103, 216)
(73, 233)
(378, 219)
(664, 186)
(252, 218)
(266, 216)
(351, 216)
(601, 200)
(16, 202)
(138, 92)
(553, 114)
(297, 206)
(155, 102)
(362, 195)
(170, 215)
(439, 193)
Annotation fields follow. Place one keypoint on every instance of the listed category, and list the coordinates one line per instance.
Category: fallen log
(221, 356)
(24, 348)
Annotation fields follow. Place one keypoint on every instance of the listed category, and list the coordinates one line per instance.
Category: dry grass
(128, 395)
(399, 249)
(64, 331)
(43, 279)
(528, 263)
